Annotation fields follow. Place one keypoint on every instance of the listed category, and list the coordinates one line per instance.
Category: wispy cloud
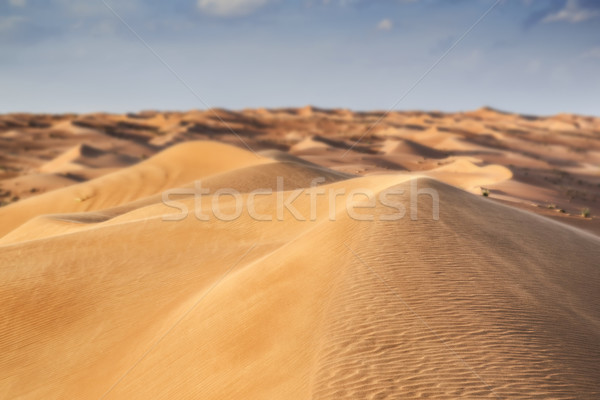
(17, 3)
(385, 24)
(573, 12)
(10, 23)
(347, 3)
(593, 53)
(230, 8)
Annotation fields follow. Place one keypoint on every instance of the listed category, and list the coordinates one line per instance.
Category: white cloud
(572, 12)
(385, 25)
(230, 8)
(17, 3)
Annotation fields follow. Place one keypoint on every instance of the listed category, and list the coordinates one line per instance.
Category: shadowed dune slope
(485, 302)
(82, 156)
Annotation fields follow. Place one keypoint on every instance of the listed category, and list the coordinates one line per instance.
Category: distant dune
(554, 161)
(429, 289)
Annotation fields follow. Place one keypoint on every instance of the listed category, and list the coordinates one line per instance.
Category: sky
(528, 56)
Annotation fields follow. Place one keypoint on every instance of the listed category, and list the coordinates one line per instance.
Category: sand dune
(193, 161)
(106, 296)
(86, 156)
(465, 174)
(408, 147)
(556, 155)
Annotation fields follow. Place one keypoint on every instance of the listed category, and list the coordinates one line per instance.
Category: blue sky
(528, 56)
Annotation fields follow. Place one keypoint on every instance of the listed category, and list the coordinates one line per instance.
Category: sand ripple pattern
(470, 315)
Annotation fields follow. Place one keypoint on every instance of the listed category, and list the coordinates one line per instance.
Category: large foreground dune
(426, 290)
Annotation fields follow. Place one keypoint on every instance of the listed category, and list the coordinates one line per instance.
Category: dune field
(416, 255)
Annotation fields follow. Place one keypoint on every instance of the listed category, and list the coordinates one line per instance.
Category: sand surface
(107, 292)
